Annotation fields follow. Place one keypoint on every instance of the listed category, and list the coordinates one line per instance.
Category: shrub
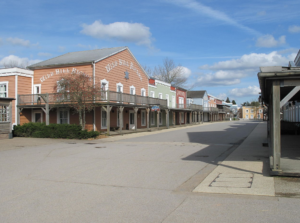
(41, 130)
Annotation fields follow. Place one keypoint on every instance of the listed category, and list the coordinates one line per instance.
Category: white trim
(149, 85)
(16, 70)
(58, 115)
(133, 89)
(173, 101)
(22, 75)
(163, 83)
(33, 115)
(168, 99)
(143, 89)
(143, 111)
(6, 83)
(106, 82)
(32, 85)
(37, 85)
(119, 84)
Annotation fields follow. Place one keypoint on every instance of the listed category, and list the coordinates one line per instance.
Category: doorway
(131, 119)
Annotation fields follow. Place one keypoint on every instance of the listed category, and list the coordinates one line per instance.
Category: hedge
(41, 130)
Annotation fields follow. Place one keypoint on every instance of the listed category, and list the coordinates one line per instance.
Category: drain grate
(233, 180)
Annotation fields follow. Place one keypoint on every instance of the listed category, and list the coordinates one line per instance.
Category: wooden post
(107, 109)
(276, 137)
(18, 115)
(174, 119)
(185, 118)
(191, 121)
(157, 119)
(135, 118)
(148, 113)
(120, 110)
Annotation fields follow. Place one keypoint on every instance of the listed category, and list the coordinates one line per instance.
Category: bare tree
(148, 70)
(170, 72)
(15, 63)
(76, 90)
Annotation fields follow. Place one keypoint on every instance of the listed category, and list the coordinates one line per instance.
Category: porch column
(185, 118)
(167, 118)
(191, 120)
(135, 118)
(202, 117)
(19, 110)
(148, 111)
(158, 119)
(198, 115)
(47, 114)
(107, 109)
(275, 128)
(120, 110)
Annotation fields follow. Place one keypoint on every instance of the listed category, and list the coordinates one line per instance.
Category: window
(252, 110)
(152, 119)
(247, 116)
(173, 102)
(143, 92)
(247, 110)
(103, 119)
(119, 87)
(143, 118)
(260, 110)
(104, 88)
(4, 113)
(251, 116)
(37, 116)
(160, 95)
(37, 89)
(181, 102)
(63, 116)
(4, 89)
(132, 90)
(152, 95)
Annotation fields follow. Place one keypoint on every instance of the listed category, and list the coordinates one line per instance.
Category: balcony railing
(100, 97)
(210, 109)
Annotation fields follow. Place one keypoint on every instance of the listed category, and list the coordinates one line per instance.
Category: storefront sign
(120, 62)
(60, 71)
(155, 108)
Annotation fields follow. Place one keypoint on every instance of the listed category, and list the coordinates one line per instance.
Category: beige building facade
(252, 112)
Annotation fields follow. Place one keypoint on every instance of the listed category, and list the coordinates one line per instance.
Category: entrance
(38, 117)
(131, 120)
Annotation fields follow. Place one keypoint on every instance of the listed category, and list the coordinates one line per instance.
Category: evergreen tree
(233, 102)
(227, 100)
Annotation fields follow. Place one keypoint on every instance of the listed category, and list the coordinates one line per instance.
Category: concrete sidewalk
(245, 171)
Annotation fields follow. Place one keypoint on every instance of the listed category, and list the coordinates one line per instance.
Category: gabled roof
(196, 94)
(79, 57)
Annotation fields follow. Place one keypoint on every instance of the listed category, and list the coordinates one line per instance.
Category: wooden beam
(289, 96)
(276, 128)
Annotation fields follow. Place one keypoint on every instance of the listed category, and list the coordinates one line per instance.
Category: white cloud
(186, 72)
(269, 41)
(120, 31)
(212, 13)
(244, 92)
(252, 62)
(222, 96)
(15, 61)
(294, 29)
(220, 78)
(41, 54)
(20, 42)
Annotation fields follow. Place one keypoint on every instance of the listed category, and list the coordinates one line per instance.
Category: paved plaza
(188, 174)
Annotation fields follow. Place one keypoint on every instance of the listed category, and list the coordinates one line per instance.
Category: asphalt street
(149, 178)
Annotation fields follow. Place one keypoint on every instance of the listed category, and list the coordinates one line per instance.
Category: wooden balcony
(103, 97)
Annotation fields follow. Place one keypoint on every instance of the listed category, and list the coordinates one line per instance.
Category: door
(38, 117)
(131, 120)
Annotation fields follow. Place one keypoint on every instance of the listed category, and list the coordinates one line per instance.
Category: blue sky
(221, 44)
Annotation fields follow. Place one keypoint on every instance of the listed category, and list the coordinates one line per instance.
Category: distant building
(252, 112)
